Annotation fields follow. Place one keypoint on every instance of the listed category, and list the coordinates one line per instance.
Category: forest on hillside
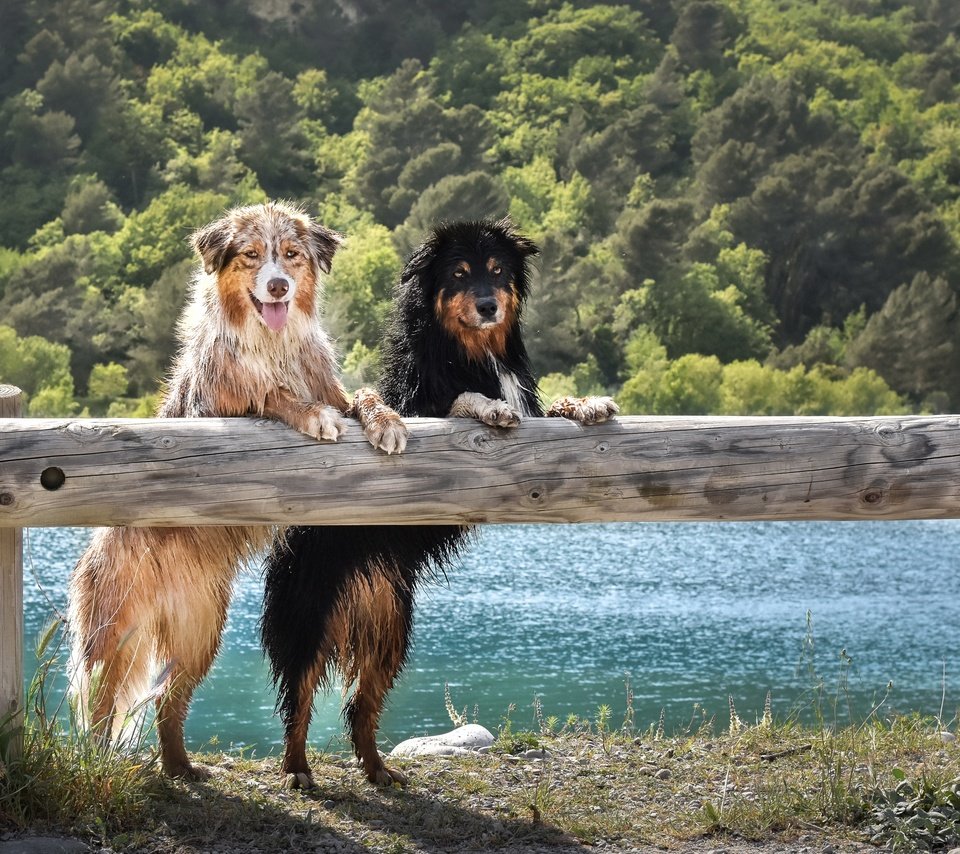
(744, 206)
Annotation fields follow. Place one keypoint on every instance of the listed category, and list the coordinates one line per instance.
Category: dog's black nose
(278, 288)
(487, 307)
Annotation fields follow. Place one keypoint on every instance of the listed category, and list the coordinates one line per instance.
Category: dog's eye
(293, 253)
(459, 274)
(496, 271)
(252, 254)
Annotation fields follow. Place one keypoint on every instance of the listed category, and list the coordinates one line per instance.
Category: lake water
(689, 613)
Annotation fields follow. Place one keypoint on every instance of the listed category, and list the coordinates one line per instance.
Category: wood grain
(243, 471)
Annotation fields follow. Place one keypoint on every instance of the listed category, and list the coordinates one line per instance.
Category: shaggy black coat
(424, 369)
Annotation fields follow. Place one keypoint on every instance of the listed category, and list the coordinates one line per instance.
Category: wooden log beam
(232, 471)
(11, 611)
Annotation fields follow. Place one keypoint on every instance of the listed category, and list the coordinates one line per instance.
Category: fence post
(11, 613)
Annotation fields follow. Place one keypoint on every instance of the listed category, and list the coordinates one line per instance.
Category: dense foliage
(745, 206)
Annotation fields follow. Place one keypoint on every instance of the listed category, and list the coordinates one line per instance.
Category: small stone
(483, 751)
(329, 805)
(947, 737)
(828, 849)
(663, 774)
(534, 753)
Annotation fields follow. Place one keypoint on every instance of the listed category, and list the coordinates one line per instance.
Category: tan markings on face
(262, 240)
(458, 315)
(235, 283)
(251, 253)
(494, 267)
(296, 263)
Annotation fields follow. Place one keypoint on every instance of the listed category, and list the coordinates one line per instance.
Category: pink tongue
(275, 315)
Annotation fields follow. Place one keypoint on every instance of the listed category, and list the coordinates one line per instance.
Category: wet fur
(142, 596)
(340, 599)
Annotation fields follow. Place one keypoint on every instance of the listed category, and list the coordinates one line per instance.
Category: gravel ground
(587, 794)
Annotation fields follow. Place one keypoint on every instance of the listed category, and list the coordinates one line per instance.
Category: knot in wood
(889, 433)
(873, 496)
(537, 495)
(6, 499)
(481, 440)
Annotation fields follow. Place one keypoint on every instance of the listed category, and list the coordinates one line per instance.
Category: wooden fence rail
(223, 471)
(240, 471)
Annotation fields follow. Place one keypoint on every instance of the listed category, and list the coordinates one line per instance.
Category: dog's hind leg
(111, 629)
(295, 768)
(188, 645)
(378, 622)
(194, 612)
(306, 572)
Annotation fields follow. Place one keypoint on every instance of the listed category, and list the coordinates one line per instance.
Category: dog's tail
(310, 571)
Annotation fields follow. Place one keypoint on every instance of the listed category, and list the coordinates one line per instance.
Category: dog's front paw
(324, 422)
(499, 413)
(381, 425)
(388, 433)
(584, 410)
(492, 411)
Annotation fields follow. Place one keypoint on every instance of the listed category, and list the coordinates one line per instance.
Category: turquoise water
(687, 613)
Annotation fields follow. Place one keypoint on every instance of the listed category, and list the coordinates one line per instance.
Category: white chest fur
(511, 389)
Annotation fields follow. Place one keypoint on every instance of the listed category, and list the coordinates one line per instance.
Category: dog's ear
(323, 243)
(524, 245)
(418, 263)
(212, 242)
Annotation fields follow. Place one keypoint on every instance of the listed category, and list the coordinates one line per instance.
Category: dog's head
(475, 275)
(266, 259)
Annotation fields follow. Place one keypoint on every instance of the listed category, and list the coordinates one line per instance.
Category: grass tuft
(64, 776)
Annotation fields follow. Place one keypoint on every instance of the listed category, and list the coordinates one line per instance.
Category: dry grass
(893, 782)
(766, 783)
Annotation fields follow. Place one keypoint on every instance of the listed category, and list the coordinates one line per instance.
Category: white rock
(534, 754)
(947, 737)
(464, 739)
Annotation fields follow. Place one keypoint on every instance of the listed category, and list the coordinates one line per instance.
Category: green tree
(156, 237)
(41, 369)
(470, 68)
(154, 340)
(359, 287)
(471, 196)
(90, 206)
(914, 341)
(107, 382)
(402, 120)
(272, 142)
(690, 386)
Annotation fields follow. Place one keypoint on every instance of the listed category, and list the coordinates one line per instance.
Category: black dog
(343, 596)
